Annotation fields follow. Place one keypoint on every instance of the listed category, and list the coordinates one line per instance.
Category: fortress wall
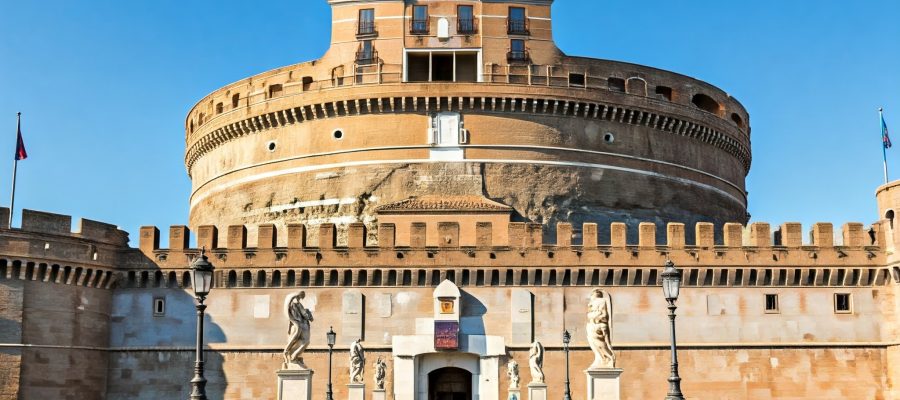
(11, 297)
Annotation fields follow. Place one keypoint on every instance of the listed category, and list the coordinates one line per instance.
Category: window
(159, 306)
(419, 24)
(428, 66)
(737, 120)
(772, 304)
(366, 53)
(235, 100)
(664, 93)
(465, 23)
(616, 84)
(366, 22)
(842, 303)
(576, 80)
(517, 50)
(220, 108)
(706, 103)
(275, 90)
(517, 24)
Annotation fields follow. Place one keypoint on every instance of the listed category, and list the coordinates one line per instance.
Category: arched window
(889, 215)
(706, 103)
(737, 120)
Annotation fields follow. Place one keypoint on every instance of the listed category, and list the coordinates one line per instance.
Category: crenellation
(790, 235)
(733, 235)
(647, 235)
(44, 222)
(822, 234)
(675, 235)
(356, 235)
(149, 239)
(418, 235)
(386, 236)
(179, 237)
(853, 235)
(589, 236)
(267, 236)
(448, 234)
(101, 232)
(327, 236)
(297, 236)
(207, 237)
(563, 234)
(760, 235)
(484, 234)
(704, 236)
(4, 218)
(517, 234)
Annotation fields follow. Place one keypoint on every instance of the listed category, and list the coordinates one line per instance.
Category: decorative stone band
(268, 278)
(609, 112)
(33, 270)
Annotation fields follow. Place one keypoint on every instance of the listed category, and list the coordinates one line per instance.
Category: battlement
(56, 224)
(731, 244)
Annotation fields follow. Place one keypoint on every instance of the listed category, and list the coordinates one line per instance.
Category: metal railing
(364, 57)
(419, 26)
(466, 26)
(517, 55)
(366, 28)
(517, 26)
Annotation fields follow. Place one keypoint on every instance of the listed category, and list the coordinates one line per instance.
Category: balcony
(366, 57)
(366, 28)
(517, 56)
(466, 26)
(517, 27)
(419, 26)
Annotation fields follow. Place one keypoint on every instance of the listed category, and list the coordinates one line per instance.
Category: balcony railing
(517, 55)
(366, 28)
(466, 26)
(419, 26)
(365, 57)
(517, 27)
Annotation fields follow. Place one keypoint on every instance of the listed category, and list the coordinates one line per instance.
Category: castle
(447, 149)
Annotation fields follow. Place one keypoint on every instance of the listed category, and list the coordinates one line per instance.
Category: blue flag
(884, 134)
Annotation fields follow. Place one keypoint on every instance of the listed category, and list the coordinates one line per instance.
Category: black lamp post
(671, 278)
(332, 337)
(202, 279)
(566, 338)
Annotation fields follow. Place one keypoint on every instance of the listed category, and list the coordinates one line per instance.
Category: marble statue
(380, 373)
(512, 371)
(536, 362)
(298, 331)
(598, 330)
(357, 362)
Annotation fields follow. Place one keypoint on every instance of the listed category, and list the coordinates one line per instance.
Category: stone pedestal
(379, 394)
(537, 391)
(356, 391)
(295, 384)
(603, 383)
(514, 394)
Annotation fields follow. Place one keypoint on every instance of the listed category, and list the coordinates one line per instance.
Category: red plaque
(446, 335)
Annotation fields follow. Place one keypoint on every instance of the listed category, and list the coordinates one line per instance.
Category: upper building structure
(464, 98)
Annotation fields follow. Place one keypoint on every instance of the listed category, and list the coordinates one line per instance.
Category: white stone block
(295, 384)
(603, 383)
(537, 391)
(379, 394)
(356, 391)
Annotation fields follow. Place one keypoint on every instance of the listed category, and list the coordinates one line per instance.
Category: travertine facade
(430, 171)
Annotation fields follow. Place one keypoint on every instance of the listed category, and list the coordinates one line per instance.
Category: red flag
(20, 144)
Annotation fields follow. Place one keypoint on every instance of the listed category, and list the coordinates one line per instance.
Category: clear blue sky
(104, 87)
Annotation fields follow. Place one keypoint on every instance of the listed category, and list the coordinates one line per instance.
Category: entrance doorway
(450, 384)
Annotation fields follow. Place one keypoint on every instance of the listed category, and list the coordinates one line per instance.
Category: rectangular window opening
(842, 303)
(419, 24)
(517, 24)
(576, 80)
(428, 66)
(772, 304)
(465, 20)
(366, 22)
(159, 307)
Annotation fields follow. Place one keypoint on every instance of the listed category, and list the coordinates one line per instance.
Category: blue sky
(104, 87)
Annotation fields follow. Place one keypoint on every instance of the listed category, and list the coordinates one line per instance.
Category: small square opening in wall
(772, 304)
(843, 303)
(159, 306)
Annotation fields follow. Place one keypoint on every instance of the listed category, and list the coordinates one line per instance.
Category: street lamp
(566, 338)
(202, 278)
(671, 278)
(332, 337)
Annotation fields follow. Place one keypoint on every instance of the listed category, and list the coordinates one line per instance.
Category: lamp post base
(295, 384)
(603, 383)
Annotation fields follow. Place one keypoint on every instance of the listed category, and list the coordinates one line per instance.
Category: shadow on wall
(471, 318)
(153, 327)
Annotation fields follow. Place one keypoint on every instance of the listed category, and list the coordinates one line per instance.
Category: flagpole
(883, 147)
(12, 200)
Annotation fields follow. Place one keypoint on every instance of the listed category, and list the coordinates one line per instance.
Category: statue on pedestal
(298, 331)
(598, 330)
(380, 373)
(512, 371)
(357, 362)
(536, 362)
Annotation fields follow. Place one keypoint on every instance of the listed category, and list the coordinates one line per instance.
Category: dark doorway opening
(450, 384)
(442, 67)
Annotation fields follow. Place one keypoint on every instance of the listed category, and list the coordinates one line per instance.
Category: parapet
(56, 224)
(730, 244)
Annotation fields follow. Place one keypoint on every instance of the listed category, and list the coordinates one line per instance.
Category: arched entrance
(450, 384)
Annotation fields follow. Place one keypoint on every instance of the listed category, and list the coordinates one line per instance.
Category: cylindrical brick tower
(464, 98)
